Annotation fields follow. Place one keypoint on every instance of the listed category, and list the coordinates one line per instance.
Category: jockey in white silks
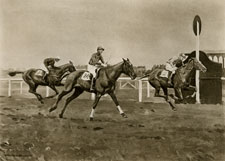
(171, 64)
(95, 62)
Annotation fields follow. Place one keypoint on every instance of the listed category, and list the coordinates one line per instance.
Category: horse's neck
(114, 72)
(186, 71)
(61, 69)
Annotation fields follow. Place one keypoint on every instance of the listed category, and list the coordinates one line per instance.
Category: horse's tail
(15, 72)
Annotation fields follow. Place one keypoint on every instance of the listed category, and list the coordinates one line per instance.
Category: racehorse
(104, 84)
(36, 77)
(180, 80)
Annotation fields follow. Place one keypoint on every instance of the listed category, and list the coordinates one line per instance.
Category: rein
(62, 71)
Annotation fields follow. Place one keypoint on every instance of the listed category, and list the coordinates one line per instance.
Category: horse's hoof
(60, 116)
(174, 109)
(123, 115)
(91, 119)
(51, 109)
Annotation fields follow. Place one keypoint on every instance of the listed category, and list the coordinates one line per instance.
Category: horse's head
(71, 67)
(198, 65)
(128, 69)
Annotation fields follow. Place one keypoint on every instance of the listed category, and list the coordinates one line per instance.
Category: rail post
(10, 88)
(197, 71)
(47, 91)
(21, 87)
(148, 89)
(197, 30)
(140, 91)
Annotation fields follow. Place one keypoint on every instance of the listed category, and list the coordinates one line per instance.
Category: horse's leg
(179, 94)
(191, 88)
(113, 96)
(165, 90)
(60, 96)
(54, 89)
(76, 93)
(97, 98)
(32, 89)
(156, 86)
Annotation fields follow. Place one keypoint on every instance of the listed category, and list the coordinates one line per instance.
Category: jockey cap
(100, 48)
(182, 56)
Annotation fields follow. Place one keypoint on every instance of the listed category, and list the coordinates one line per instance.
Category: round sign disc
(197, 19)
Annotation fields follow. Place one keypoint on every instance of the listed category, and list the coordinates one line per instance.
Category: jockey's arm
(170, 61)
(102, 60)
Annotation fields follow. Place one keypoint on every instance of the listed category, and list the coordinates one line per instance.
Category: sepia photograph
(112, 80)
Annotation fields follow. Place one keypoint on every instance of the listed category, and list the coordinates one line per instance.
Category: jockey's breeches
(92, 70)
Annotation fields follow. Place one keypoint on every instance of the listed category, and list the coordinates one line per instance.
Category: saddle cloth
(86, 76)
(164, 74)
(40, 72)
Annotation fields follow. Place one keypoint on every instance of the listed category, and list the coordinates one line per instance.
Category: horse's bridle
(125, 70)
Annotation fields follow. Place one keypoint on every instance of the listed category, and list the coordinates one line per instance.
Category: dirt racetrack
(152, 132)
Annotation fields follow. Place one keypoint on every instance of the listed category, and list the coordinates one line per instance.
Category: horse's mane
(158, 66)
(65, 65)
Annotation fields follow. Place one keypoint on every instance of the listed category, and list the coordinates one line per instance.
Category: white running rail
(20, 80)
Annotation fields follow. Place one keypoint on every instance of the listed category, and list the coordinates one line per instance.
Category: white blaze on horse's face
(129, 70)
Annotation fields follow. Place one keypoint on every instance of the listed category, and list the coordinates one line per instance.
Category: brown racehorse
(180, 80)
(36, 77)
(105, 83)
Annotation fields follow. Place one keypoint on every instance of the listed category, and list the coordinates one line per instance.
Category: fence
(123, 82)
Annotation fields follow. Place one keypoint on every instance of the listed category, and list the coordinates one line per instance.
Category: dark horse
(36, 77)
(180, 80)
(105, 83)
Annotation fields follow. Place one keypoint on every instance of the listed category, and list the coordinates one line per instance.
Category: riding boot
(92, 84)
(170, 80)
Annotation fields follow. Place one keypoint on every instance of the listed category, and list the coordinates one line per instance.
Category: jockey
(50, 63)
(95, 62)
(173, 63)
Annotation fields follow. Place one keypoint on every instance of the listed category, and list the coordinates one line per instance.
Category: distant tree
(158, 66)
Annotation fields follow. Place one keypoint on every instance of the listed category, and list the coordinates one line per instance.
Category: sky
(147, 32)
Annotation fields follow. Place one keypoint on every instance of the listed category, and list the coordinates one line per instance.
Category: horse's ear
(128, 59)
(124, 60)
(70, 62)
